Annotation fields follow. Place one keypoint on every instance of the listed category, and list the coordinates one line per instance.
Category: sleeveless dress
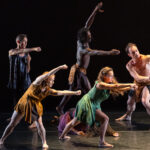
(86, 107)
(19, 78)
(30, 103)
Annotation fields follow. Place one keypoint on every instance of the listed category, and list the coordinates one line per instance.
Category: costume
(78, 79)
(138, 92)
(19, 79)
(30, 103)
(86, 107)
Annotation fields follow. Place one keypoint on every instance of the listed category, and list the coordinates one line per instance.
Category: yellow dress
(32, 99)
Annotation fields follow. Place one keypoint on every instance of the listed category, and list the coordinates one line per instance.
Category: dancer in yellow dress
(30, 105)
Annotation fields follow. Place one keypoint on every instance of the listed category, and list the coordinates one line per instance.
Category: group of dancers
(88, 109)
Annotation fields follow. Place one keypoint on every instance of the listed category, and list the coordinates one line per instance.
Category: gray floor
(134, 135)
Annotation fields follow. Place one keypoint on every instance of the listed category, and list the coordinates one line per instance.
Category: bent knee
(105, 119)
(143, 100)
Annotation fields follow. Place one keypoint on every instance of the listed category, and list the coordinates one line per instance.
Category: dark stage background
(53, 26)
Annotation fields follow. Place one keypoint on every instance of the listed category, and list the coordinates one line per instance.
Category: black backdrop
(53, 26)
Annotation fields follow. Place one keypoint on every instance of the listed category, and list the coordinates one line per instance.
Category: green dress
(86, 107)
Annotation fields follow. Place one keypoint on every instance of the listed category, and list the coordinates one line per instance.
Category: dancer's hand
(133, 86)
(99, 6)
(37, 49)
(115, 52)
(78, 92)
(64, 66)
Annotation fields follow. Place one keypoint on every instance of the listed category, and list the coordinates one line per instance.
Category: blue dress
(19, 78)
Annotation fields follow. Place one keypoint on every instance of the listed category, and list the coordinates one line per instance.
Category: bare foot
(1, 142)
(59, 110)
(33, 125)
(105, 145)
(115, 134)
(124, 118)
(65, 138)
(45, 146)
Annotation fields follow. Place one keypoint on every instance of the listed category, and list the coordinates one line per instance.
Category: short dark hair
(128, 46)
(20, 37)
(82, 35)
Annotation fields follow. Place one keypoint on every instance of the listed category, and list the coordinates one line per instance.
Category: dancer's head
(132, 50)
(21, 40)
(49, 81)
(84, 35)
(106, 74)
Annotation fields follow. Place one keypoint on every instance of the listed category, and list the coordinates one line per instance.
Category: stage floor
(134, 135)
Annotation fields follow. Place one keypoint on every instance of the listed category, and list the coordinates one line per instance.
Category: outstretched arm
(100, 52)
(90, 20)
(25, 50)
(103, 85)
(63, 92)
(45, 76)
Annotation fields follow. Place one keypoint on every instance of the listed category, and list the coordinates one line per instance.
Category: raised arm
(136, 76)
(99, 52)
(64, 92)
(45, 76)
(25, 50)
(103, 85)
(90, 20)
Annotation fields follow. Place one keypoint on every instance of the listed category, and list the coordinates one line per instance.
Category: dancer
(139, 69)
(19, 59)
(30, 105)
(77, 77)
(88, 109)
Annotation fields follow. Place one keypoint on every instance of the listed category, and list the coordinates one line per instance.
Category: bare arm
(90, 20)
(103, 85)
(125, 89)
(25, 50)
(136, 76)
(99, 52)
(64, 92)
(45, 76)
(28, 63)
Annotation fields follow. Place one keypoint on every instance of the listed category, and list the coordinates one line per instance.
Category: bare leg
(15, 119)
(41, 132)
(146, 99)
(131, 105)
(103, 118)
(68, 127)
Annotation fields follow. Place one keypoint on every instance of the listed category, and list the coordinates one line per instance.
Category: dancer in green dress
(88, 109)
